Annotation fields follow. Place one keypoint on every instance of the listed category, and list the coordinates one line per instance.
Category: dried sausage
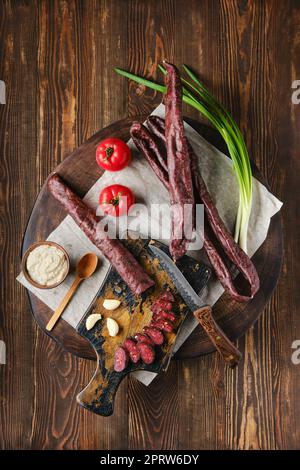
(230, 247)
(168, 296)
(163, 325)
(161, 305)
(121, 359)
(147, 145)
(155, 335)
(141, 338)
(131, 348)
(162, 315)
(179, 168)
(147, 353)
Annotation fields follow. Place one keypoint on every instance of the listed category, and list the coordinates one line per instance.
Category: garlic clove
(111, 304)
(112, 326)
(92, 320)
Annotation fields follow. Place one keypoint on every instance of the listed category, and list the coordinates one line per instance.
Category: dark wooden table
(57, 59)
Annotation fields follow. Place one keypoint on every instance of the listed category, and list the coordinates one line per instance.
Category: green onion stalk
(196, 95)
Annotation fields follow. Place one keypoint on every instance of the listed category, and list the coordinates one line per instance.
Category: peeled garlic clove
(112, 326)
(92, 320)
(111, 304)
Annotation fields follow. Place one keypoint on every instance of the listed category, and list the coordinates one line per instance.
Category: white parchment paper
(216, 169)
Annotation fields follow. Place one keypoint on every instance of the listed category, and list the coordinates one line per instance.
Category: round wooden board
(81, 172)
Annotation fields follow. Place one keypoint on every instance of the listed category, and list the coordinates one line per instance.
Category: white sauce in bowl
(46, 265)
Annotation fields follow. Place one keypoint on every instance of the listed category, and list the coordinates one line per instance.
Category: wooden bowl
(24, 260)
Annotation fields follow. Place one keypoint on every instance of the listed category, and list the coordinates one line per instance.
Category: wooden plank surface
(56, 58)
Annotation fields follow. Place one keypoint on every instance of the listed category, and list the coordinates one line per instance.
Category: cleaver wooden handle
(226, 348)
(99, 395)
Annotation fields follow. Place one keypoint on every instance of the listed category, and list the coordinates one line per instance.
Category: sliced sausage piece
(168, 296)
(163, 325)
(141, 338)
(155, 335)
(162, 315)
(121, 359)
(147, 353)
(161, 305)
(132, 350)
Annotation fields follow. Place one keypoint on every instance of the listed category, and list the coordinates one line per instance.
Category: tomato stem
(116, 199)
(108, 151)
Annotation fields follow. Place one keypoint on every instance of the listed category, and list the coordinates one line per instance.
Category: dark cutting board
(81, 172)
(132, 315)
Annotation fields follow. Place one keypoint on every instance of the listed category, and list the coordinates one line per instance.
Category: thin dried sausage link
(236, 255)
(147, 146)
(156, 126)
(179, 168)
(234, 252)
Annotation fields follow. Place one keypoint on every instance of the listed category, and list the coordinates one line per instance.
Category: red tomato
(116, 199)
(113, 154)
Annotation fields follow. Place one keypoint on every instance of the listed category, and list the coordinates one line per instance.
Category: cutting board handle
(225, 347)
(99, 395)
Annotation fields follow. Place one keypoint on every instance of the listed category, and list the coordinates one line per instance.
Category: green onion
(196, 95)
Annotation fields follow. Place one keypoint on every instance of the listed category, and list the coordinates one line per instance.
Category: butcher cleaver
(203, 313)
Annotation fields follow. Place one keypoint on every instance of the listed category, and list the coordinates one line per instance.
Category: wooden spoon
(84, 269)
